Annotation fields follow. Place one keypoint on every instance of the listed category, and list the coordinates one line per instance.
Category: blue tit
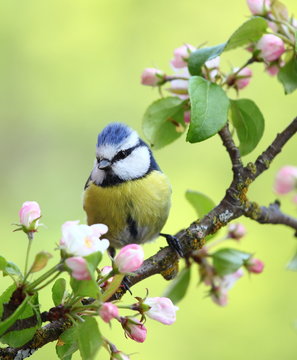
(126, 189)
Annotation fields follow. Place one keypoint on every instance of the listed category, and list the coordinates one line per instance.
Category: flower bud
(259, 7)
(152, 77)
(134, 329)
(236, 231)
(119, 355)
(286, 180)
(108, 311)
(212, 68)
(129, 259)
(105, 271)
(29, 216)
(271, 47)
(79, 268)
(187, 117)
(161, 309)
(218, 296)
(254, 265)
(181, 55)
(243, 78)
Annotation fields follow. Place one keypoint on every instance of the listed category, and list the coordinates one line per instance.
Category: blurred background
(68, 68)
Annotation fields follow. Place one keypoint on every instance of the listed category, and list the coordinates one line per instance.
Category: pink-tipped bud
(259, 7)
(119, 355)
(181, 55)
(129, 259)
(286, 180)
(187, 117)
(29, 215)
(78, 267)
(243, 78)
(271, 47)
(105, 271)
(254, 265)
(236, 231)
(152, 77)
(161, 309)
(134, 329)
(108, 311)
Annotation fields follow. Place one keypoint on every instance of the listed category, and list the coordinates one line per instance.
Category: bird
(126, 190)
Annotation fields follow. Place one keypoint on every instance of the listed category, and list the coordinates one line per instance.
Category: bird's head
(120, 156)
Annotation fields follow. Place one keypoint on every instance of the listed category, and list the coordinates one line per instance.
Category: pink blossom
(134, 329)
(181, 55)
(161, 309)
(254, 265)
(108, 311)
(219, 297)
(29, 215)
(236, 231)
(152, 77)
(259, 7)
(243, 78)
(105, 271)
(286, 180)
(272, 69)
(78, 267)
(271, 47)
(82, 240)
(129, 259)
(212, 68)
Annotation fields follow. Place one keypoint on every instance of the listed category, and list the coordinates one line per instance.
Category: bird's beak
(104, 164)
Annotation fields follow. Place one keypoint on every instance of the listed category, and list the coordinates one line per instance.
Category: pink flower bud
(78, 267)
(129, 259)
(272, 69)
(236, 231)
(161, 309)
(108, 311)
(212, 68)
(243, 78)
(29, 215)
(134, 329)
(181, 55)
(255, 266)
(105, 271)
(259, 7)
(119, 355)
(271, 47)
(219, 297)
(286, 180)
(152, 77)
(187, 117)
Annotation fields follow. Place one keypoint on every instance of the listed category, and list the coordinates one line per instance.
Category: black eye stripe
(123, 153)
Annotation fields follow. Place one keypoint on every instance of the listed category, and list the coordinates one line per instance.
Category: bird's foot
(174, 243)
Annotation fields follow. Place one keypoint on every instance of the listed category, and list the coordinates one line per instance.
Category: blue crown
(113, 134)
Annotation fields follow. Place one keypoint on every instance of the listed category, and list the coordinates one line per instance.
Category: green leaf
(67, 344)
(40, 261)
(248, 32)
(248, 122)
(293, 263)
(201, 203)
(58, 291)
(3, 263)
(85, 288)
(200, 56)
(288, 75)
(163, 121)
(12, 270)
(93, 261)
(89, 338)
(179, 286)
(28, 312)
(209, 109)
(227, 261)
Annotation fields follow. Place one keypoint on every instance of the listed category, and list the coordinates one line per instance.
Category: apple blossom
(254, 265)
(259, 7)
(29, 216)
(152, 77)
(78, 267)
(134, 329)
(236, 231)
(271, 47)
(108, 311)
(212, 67)
(243, 78)
(129, 259)
(105, 271)
(286, 180)
(181, 55)
(161, 309)
(82, 240)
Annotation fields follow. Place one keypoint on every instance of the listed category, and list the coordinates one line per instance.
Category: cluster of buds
(286, 181)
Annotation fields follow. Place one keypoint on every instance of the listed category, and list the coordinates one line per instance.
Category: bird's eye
(122, 154)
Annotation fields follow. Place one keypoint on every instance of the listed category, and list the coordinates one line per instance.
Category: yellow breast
(134, 211)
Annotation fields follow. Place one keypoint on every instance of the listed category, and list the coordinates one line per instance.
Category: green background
(68, 68)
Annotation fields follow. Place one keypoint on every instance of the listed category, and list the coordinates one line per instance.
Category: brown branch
(165, 262)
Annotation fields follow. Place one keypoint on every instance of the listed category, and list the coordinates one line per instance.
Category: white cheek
(134, 166)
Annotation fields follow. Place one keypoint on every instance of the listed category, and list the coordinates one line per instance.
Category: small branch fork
(165, 262)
